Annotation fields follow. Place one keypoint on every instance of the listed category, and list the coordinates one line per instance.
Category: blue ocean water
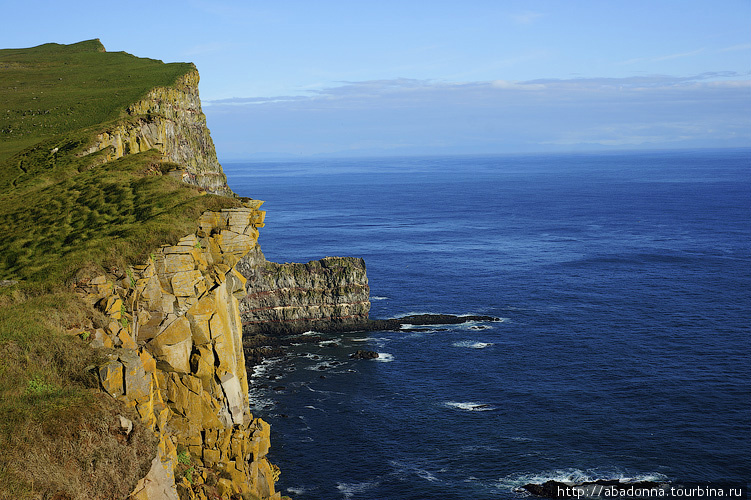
(624, 286)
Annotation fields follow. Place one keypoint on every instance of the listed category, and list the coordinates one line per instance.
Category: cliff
(327, 295)
(176, 357)
(122, 372)
(170, 120)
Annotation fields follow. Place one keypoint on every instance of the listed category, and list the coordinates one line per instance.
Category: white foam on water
(296, 490)
(378, 298)
(322, 392)
(404, 468)
(331, 342)
(264, 367)
(471, 344)
(384, 357)
(256, 402)
(469, 406)
(575, 476)
(369, 339)
(351, 489)
(319, 367)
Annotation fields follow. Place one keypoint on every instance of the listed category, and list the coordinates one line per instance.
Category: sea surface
(623, 286)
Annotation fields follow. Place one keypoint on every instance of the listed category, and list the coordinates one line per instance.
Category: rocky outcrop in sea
(327, 295)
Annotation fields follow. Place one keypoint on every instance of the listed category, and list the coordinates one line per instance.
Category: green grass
(67, 217)
(52, 89)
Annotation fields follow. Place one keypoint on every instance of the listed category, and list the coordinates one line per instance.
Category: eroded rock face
(170, 120)
(177, 359)
(331, 294)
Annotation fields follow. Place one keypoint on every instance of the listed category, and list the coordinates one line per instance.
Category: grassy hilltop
(67, 217)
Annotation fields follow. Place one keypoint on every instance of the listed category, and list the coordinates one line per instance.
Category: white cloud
(500, 115)
(512, 85)
(733, 48)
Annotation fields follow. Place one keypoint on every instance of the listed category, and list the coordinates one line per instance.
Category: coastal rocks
(331, 294)
(598, 488)
(170, 120)
(407, 322)
(363, 354)
(175, 356)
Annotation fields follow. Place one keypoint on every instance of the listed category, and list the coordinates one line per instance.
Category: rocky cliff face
(174, 340)
(170, 120)
(331, 294)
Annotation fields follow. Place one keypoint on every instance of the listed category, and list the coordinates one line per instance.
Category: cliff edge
(122, 372)
(169, 120)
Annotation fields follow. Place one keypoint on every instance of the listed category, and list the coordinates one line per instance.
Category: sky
(286, 78)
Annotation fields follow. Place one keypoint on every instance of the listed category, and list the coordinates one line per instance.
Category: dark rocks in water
(255, 355)
(598, 488)
(442, 319)
(423, 320)
(262, 346)
(363, 354)
(548, 489)
(418, 330)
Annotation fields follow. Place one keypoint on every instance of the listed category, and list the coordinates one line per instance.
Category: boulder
(111, 377)
(172, 347)
(363, 354)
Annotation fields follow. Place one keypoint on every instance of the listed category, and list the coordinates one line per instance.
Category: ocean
(623, 286)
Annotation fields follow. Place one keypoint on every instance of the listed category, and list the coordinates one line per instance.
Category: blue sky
(419, 77)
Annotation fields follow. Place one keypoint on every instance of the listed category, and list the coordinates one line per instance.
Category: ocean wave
(322, 366)
(351, 489)
(257, 402)
(403, 468)
(378, 298)
(311, 407)
(384, 357)
(576, 476)
(472, 344)
(469, 406)
(369, 339)
(263, 368)
(323, 392)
